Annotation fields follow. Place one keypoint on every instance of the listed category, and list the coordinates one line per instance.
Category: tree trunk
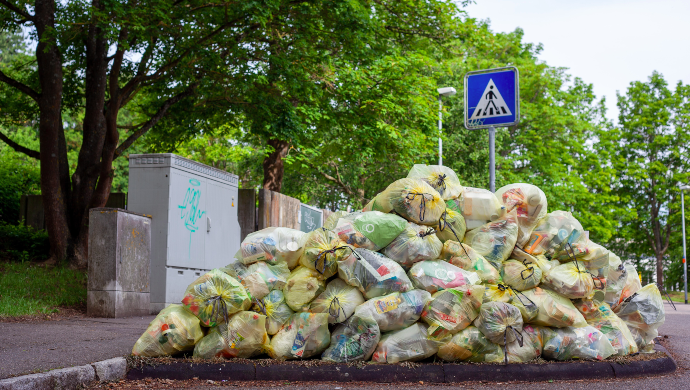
(49, 63)
(273, 165)
(660, 270)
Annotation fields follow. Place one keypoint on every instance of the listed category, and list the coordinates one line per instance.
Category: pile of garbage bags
(428, 267)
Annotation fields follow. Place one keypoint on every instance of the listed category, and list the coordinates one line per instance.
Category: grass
(27, 289)
(676, 296)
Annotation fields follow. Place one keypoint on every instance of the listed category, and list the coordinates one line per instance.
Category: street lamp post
(685, 265)
(447, 91)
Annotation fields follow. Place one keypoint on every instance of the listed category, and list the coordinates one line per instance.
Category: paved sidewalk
(30, 347)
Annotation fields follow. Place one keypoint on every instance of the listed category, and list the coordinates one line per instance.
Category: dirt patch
(64, 313)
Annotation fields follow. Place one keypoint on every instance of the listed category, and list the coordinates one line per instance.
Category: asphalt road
(36, 346)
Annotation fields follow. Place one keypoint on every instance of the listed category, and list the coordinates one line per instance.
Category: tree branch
(19, 148)
(19, 86)
(16, 9)
(154, 119)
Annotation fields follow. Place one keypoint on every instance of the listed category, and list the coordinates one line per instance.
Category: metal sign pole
(685, 264)
(492, 159)
(440, 141)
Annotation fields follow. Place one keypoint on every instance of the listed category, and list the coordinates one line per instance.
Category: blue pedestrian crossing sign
(492, 98)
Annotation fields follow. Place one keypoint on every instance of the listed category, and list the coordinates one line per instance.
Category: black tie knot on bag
(322, 256)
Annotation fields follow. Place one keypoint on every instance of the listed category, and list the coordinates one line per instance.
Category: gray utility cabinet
(194, 220)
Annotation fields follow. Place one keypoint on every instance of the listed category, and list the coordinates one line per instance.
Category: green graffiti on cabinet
(190, 213)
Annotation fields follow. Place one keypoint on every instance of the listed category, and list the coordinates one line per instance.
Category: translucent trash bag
(259, 278)
(544, 264)
(504, 293)
(451, 226)
(354, 340)
(243, 337)
(530, 204)
(495, 240)
(463, 256)
(373, 274)
(394, 311)
(527, 348)
(554, 310)
(478, 206)
(339, 301)
(412, 199)
(586, 343)
(441, 178)
(521, 275)
(214, 296)
(553, 232)
(470, 345)
(302, 286)
(273, 245)
(500, 322)
(173, 330)
(644, 313)
(437, 275)
(275, 309)
(322, 251)
(630, 287)
(371, 230)
(572, 280)
(600, 316)
(303, 336)
(616, 278)
(452, 310)
(409, 344)
(332, 220)
(415, 243)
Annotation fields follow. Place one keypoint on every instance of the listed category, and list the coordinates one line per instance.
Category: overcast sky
(608, 43)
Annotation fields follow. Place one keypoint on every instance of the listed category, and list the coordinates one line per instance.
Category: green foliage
(27, 289)
(22, 243)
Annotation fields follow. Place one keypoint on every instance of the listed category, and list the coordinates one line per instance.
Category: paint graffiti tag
(189, 209)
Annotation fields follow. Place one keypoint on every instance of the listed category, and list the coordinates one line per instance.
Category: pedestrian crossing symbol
(492, 98)
(491, 104)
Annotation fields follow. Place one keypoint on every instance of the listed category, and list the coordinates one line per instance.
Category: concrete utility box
(194, 211)
(119, 261)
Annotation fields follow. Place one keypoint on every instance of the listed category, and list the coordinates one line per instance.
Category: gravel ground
(676, 340)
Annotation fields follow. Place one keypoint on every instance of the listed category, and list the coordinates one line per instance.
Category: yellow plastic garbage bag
(500, 322)
(504, 293)
(437, 275)
(478, 206)
(554, 310)
(371, 230)
(173, 330)
(415, 243)
(544, 264)
(527, 348)
(463, 256)
(644, 313)
(259, 278)
(214, 296)
(470, 345)
(322, 251)
(412, 199)
(616, 278)
(355, 340)
(495, 240)
(273, 245)
(521, 275)
(303, 336)
(572, 280)
(600, 316)
(530, 203)
(302, 286)
(409, 344)
(631, 286)
(441, 178)
(553, 232)
(275, 309)
(332, 220)
(452, 310)
(243, 337)
(373, 274)
(339, 301)
(586, 343)
(452, 225)
(394, 311)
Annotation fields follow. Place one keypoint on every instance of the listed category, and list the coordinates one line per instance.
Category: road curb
(391, 373)
(69, 378)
